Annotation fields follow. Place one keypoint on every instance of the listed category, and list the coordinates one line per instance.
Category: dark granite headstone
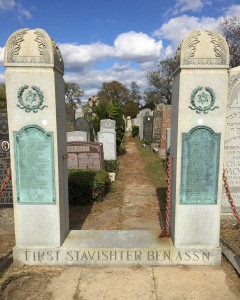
(70, 113)
(147, 128)
(85, 155)
(157, 122)
(82, 124)
(6, 198)
(200, 166)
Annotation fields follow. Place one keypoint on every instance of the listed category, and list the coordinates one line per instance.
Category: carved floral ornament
(203, 100)
(48, 52)
(186, 53)
(30, 98)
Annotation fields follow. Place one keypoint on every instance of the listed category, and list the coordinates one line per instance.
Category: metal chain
(166, 232)
(5, 182)
(229, 196)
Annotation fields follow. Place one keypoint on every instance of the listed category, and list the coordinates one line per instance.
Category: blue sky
(105, 40)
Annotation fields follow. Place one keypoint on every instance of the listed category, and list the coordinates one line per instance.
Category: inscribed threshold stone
(119, 248)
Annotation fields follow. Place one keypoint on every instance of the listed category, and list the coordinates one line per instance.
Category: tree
(230, 29)
(73, 94)
(3, 98)
(131, 109)
(111, 110)
(160, 82)
(114, 91)
(135, 94)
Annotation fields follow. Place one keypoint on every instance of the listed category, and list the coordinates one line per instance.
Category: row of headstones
(154, 127)
(86, 153)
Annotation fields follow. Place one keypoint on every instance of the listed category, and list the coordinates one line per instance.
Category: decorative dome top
(27, 47)
(203, 49)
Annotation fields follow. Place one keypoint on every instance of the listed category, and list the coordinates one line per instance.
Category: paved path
(177, 283)
(141, 206)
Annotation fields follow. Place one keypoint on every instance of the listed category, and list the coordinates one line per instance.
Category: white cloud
(1, 56)
(83, 56)
(23, 12)
(137, 46)
(10, 5)
(189, 5)
(233, 10)
(7, 4)
(92, 81)
(177, 28)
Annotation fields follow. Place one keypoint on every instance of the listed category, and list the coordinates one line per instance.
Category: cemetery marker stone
(232, 141)
(147, 129)
(197, 140)
(6, 198)
(37, 133)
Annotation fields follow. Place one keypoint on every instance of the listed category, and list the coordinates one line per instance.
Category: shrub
(87, 185)
(135, 130)
(111, 166)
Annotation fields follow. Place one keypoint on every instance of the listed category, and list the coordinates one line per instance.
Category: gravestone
(108, 125)
(147, 129)
(77, 136)
(70, 119)
(166, 123)
(197, 140)
(142, 114)
(79, 113)
(6, 198)
(37, 131)
(108, 139)
(83, 125)
(168, 140)
(157, 123)
(129, 124)
(232, 141)
(85, 155)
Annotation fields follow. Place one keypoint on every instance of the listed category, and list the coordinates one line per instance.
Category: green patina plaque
(200, 166)
(34, 163)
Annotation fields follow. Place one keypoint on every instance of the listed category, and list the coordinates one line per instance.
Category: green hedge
(111, 166)
(87, 185)
(135, 131)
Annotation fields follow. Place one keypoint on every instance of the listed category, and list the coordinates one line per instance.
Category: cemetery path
(132, 204)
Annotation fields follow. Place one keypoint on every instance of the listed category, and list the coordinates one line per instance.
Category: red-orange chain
(5, 182)
(166, 232)
(230, 199)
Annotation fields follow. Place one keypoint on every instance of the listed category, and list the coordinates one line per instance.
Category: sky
(105, 40)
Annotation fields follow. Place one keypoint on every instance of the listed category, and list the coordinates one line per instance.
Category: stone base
(112, 176)
(117, 248)
(162, 153)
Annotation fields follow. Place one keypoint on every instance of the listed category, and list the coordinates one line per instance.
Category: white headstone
(129, 124)
(108, 139)
(77, 136)
(107, 125)
(232, 141)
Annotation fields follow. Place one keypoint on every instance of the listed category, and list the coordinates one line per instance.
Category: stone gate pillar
(199, 101)
(36, 114)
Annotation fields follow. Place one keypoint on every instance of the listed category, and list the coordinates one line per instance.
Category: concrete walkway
(172, 283)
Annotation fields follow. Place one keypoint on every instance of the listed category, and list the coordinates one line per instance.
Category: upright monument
(232, 141)
(197, 140)
(37, 134)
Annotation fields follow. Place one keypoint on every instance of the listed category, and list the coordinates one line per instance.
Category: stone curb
(230, 254)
